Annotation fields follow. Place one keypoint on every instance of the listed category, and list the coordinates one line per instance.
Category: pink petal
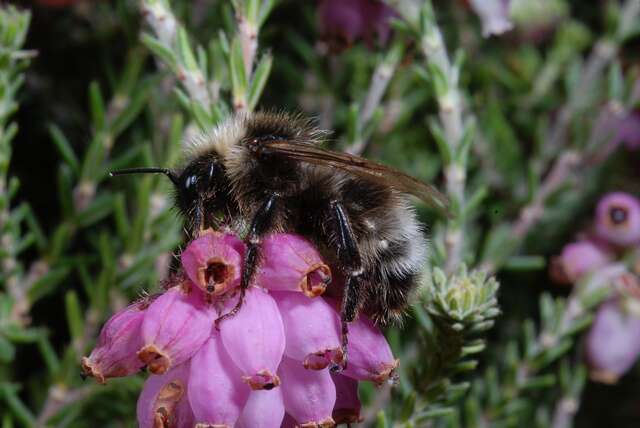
(312, 330)
(347, 407)
(292, 263)
(164, 400)
(264, 409)
(214, 262)
(176, 324)
(119, 341)
(216, 391)
(309, 395)
(255, 338)
(369, 356)
(613, 343)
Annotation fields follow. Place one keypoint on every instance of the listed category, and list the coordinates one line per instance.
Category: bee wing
(361, 167)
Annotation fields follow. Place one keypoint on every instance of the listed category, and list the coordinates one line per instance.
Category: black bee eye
(190, 182)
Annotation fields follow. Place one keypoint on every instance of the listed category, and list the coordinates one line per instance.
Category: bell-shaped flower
(343, 22)
(214, 262)
(309, 395)
(164, 400)
(175, 326)
(255, 338)
(216, 391)
(290, 262)
(347, 407)
(618, 219)
(613, 343)
(579, 258)
(115, 354)
(369, 356)
(312, 330)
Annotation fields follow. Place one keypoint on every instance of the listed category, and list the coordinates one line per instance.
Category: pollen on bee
(383, 244)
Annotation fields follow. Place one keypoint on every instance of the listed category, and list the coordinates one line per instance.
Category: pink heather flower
(618, 219)
(164, 401)
(264, 409)
(216, 393)
(579, 258)
(292, 263)
(613, 343)
(119, 341)
(312, 330)
(494, 15)
(347, 408)
(255, 338)
(175, 326)
(369, 355)
(267, 366)
(343, 22)
(214, 262)
(309, 395)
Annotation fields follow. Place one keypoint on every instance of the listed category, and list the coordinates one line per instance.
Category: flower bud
(618, 219)
(264, 409)
(369, 356)
(312, 330)
(115, 354)
(347, 408)
(309, 395)
(254, 338)
(216, 391)
(613, 343)
(176, 324)
(214, 262)
(164, 400)
(290, 262)
(579, 258)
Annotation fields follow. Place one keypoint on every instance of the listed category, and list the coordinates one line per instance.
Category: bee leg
(349, 257)
(198, 220)
(260, 225)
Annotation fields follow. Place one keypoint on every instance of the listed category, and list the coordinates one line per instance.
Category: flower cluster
(613, 344)
(270, 362)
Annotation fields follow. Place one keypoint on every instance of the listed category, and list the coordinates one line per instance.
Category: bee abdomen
(395, 271)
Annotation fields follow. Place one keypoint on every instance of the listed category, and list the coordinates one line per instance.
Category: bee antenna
(172, 175)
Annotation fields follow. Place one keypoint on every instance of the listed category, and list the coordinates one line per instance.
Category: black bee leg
(260, 225)
(349, 257)
(198, 220)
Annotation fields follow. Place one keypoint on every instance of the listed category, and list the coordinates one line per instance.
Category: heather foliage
(524, 112)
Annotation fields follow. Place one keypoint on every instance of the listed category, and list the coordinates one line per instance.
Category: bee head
(201, 188)
(202, 183)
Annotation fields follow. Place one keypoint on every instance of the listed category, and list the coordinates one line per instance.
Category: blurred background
(526, 113)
